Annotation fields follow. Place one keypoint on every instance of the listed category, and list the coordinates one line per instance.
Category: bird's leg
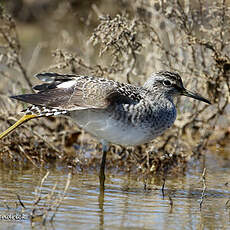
(18, 123)
(103, 162)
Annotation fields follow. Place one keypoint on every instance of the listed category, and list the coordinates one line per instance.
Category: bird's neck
(159, 97)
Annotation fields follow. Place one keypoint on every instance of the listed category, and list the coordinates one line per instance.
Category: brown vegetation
(126, 42)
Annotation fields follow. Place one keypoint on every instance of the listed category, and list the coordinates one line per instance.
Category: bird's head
(170, 84)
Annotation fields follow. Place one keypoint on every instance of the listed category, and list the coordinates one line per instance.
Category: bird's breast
(126, 125)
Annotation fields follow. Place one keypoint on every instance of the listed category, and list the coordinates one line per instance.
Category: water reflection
(101, 207)
(124, 204)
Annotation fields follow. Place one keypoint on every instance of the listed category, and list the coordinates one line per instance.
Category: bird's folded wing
(72, 92)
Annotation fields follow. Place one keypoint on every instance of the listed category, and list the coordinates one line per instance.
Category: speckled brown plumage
(116, 112)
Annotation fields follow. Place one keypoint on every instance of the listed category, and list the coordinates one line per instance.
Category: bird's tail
(34, 111)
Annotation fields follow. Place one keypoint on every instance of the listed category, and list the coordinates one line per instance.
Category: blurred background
(126, 41)
(178, 181)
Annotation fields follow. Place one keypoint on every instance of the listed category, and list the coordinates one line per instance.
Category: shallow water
(125, 204)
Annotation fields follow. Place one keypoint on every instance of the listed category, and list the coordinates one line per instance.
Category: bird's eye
(167, 83)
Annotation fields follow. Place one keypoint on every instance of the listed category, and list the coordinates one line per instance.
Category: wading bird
(113, 112)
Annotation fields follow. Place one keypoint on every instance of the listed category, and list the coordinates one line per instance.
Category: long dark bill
(18, 123)
(195, 96)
